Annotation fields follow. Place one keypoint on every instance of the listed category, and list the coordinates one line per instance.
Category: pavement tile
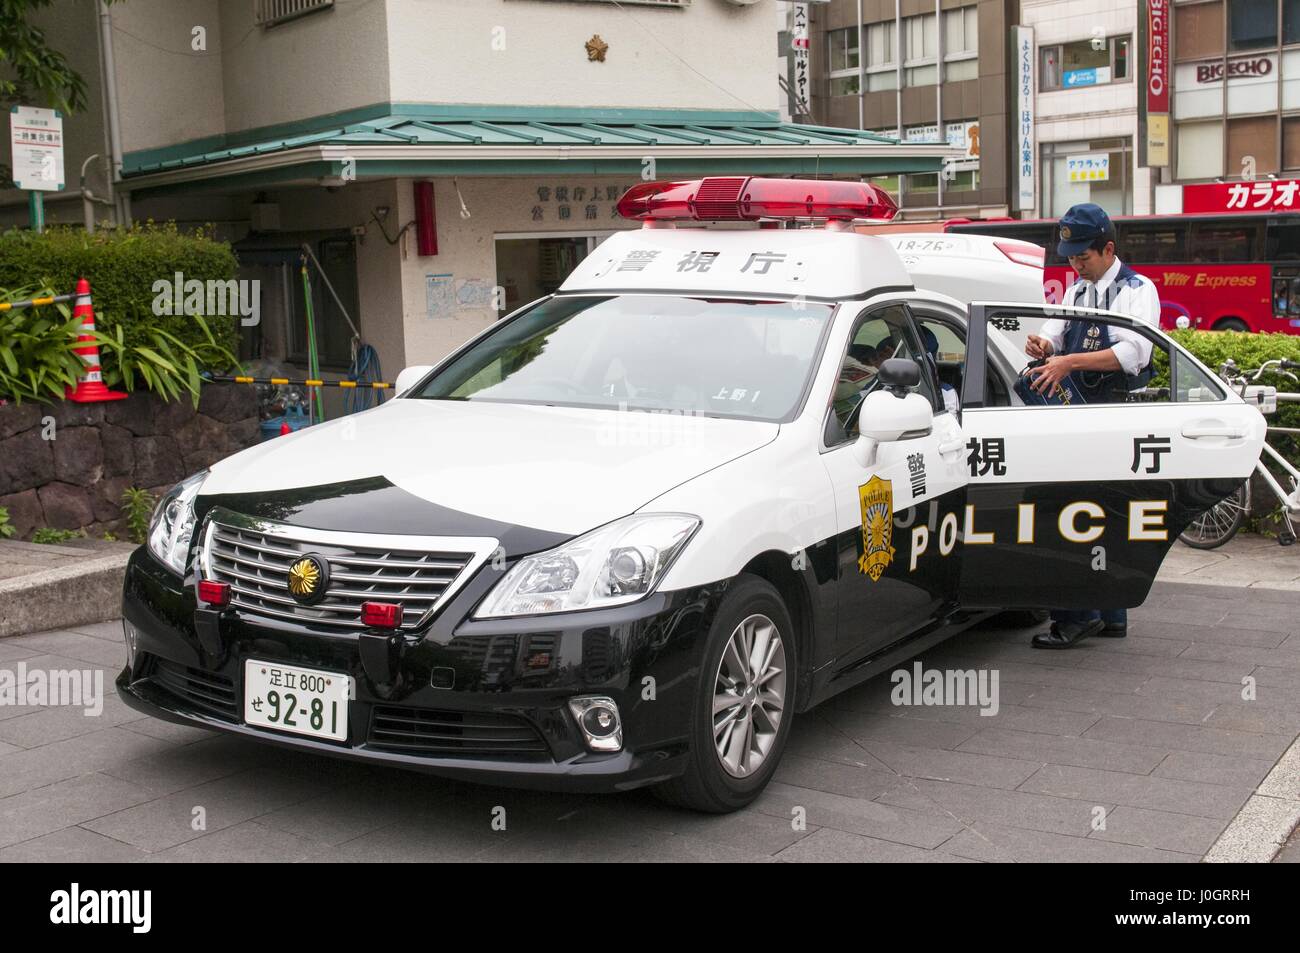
(1080, 752)
(22, 769)
(1189, 737)
(49, 725)
(1133, 644)
(53, 807)
(1126, 705)
(167, 821)
(1282, 657)
(958, 766)
(1000, 844)
(75, 645)
(1187, 689)
(878, 726)
(1162, 830)
(869, 818)
(839, 847)
(850, 780)
(1251, 716)
(1222, 634)
(12, 653)
(968, 804)
(177, 767)
(249, 842)
(753, 831)
(110, 631)
(71, 845)
(169, 730)
(1102, 787)
(1213, 768)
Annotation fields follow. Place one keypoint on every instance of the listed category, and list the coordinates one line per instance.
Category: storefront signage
(576, 203)
(1086, 77)
(36, 138)
(1157, 81)
(799, 43)
(1026, 145)
(1246, 66)
(1089, 168)
(1266, 195)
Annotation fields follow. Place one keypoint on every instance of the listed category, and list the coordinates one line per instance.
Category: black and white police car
(622, 536)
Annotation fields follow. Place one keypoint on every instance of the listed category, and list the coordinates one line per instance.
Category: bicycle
(1221, 522)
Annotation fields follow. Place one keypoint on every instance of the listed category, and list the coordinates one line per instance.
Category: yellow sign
(1157, 139)
(877, 499)
(303, 576)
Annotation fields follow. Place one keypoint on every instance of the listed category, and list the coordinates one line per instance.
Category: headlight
(172, 524)
(617, 563)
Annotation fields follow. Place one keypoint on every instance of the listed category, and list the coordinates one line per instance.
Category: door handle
(952, 446)
(1196, 431)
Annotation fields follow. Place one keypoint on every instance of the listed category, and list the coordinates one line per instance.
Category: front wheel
(1232, 324)
(743, 704)
(1220, 522)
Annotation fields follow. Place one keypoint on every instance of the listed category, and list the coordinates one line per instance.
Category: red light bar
(214, 593)
(742, 199)
(1023, 253)
(381, 615)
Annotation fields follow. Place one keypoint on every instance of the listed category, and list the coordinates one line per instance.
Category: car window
(659, 353)
(878, 335)
(1169, 374)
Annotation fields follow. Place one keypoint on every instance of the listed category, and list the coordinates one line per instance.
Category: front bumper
(484, 701)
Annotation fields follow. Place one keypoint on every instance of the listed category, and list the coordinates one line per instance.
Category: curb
(1267, 818)
(90, 591)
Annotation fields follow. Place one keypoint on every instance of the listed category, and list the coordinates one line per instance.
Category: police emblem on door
(876, 497)
(308, 578)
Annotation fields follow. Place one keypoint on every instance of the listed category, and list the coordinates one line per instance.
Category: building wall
(1088, 114)
(983, 99)
(710, 55)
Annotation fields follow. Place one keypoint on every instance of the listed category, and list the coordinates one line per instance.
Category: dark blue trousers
(1109, 616)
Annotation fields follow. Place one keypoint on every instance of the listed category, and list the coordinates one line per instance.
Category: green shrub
(122, 265)
(54, 536)
(7, 529)
(137, 508)
(36, 358)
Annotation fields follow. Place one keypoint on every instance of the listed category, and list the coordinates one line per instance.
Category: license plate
(305, 701)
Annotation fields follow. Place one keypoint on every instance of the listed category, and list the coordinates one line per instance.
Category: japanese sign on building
(1026, 146)
(1266, 195)
(1089, 168)
(37, 139)
(799, 53)
(1157, 80)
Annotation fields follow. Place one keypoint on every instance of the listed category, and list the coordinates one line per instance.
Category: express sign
(1271, 195)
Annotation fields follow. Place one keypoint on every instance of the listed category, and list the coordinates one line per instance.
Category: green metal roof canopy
(428, 141)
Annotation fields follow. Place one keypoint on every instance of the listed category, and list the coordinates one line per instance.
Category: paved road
(1151, 730)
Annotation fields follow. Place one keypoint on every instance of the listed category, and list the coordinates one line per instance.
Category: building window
(882, 61)
(1114, 193)
(1290, 22)
(1252, 145)
(1084, 63)
(842, 58)
(1291, 142)
(921, 50)
(1252, 24)
(1198, 31)
(961, 44)
(1200, 150)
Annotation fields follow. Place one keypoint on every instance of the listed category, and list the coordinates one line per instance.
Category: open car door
(1074, 505)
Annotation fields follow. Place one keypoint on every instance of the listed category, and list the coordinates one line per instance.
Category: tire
(1024, 618)
(1231, 324)
(1220, 522)
(751, 610)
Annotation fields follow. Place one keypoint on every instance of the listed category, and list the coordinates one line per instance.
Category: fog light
(214, 593)
(128, 631)
(598, 719)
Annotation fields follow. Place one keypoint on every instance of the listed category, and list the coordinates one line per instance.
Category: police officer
(1091, 362)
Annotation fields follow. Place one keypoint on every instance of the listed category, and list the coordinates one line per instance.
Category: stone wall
(75, 480)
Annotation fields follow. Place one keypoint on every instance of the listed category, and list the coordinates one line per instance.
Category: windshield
(714, 357)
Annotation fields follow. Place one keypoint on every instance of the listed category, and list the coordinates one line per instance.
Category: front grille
(455, 733)
(206, 691)
(255, 560)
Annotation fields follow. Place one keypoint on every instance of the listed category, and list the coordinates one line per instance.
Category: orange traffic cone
(91, 386)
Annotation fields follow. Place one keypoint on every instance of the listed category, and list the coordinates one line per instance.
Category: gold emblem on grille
(304, 576)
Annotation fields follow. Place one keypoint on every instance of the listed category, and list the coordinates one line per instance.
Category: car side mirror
(410, 376)
(898, 374)
(886, 418)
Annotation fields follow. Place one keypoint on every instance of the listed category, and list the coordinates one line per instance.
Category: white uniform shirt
(1132, 350)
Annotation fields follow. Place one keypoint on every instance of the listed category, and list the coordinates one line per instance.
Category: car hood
(560, 470)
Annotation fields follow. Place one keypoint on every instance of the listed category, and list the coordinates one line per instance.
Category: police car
(623, 536)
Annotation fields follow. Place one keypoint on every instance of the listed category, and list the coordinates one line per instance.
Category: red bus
(1224, 272)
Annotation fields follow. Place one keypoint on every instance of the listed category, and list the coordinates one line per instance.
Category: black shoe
(1114, 630)
(1065, 634)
